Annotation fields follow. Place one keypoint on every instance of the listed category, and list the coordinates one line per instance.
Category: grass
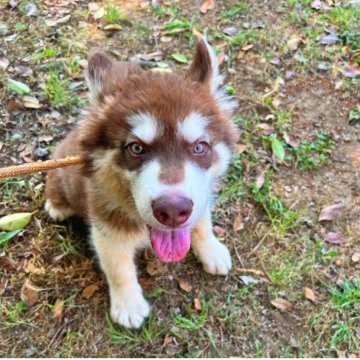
(113, 14)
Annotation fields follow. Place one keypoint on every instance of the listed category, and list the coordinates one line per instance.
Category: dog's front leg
(214, 255)
(116, 255)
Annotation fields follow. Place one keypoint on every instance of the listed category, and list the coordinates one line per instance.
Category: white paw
(129, 308)
(57, 214)
(214, 256)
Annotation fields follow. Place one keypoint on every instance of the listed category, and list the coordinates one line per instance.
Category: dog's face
(167, 136)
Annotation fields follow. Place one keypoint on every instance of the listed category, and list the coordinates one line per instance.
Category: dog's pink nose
(172, 210)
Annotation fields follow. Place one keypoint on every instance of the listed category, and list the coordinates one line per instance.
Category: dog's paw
(55, 213)
(214, 256)
(129, 308)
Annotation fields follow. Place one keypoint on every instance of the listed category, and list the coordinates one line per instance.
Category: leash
(30, 168)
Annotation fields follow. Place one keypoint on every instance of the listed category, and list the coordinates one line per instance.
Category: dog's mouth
(170, 245)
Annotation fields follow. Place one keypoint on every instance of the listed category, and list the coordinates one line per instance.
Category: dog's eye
(136, 148)
(200, 148)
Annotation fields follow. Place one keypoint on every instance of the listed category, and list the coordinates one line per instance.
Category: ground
(294, 290)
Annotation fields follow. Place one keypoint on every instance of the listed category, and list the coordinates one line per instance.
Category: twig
(31, 168)
(250, 271)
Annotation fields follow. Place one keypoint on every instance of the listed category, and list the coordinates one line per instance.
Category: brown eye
(136, 148)
(200, 148)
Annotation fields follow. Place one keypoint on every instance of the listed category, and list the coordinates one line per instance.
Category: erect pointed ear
(205, 67)
(98, 65)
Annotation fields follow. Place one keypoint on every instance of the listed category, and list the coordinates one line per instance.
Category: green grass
(233, 11)
(113, 14)
(312, 155)
(13, 315)
(349, 296)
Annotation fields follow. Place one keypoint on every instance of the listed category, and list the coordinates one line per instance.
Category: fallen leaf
(268, 129)
(275, 61)
(335, 238)
(278, 149)
(167, 340)
(153, 269)
(247, 47)
(180, 58)
(113, 27)
(31, 268)
(29, 293)
(185, 285)
(197, 304)
(89, 291)
(356, 256)
(317, 5)
(6, 236)
(238, 223)
(248, 280)
(230, 31)
(329, 39)
(15, 221)
(30, 9)
(282, 304)
(293, 43)
(154, 56)
(31, 102)
(240, 148)
(148, 285)
(58, 309)
(207, 5)
(3, 285)
(219, 230)
(291, 142)
(309, 294)
(7, 263)
(324, 65)
(18, 87)
(96, 10)
(23, 71)
(172, 349)
(351, 71)
(329, 213)
(259, 181)
(4, 63)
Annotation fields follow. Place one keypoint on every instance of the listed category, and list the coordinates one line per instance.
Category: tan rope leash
(31, 168)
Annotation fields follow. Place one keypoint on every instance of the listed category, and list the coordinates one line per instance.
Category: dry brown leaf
(282, 304)
(154, 56)
(291, 142)
(329, 213)
(356, 256)
(89, 291)
(268, 129)
(294, 42)
(185, 285)
(335, 238)
(309, 294)
(247, 47)
(240, 148)
(167, 340)
(31, 268)
(207, 5)
(96, 10)
(259, 181)
(31, 102)
(238, 223)
(58, 309)
(197, 304)
(29, 293)
(153, 269)
(219, 230)
(3, 285)
(147, 285)
(250, 271)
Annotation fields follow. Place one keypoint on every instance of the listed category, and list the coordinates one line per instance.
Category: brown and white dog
(154, 146)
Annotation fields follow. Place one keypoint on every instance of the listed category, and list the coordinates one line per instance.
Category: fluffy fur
(154, 146)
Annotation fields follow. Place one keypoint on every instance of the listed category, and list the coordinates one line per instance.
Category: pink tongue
(170, 246)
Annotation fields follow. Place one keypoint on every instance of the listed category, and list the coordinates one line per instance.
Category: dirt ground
(294, 291)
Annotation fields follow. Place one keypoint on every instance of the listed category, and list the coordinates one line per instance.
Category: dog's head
(167, 136)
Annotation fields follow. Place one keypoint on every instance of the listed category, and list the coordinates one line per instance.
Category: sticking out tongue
(170, 246)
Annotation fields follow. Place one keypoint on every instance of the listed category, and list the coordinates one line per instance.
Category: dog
(154, 147)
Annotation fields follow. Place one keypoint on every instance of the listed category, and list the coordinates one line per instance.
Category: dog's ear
(98, 65)
(205, 67)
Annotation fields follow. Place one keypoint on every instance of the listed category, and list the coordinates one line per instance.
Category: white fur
(116, 252)
(145, 127)
(214, 255)
(57, 214)
(224, 156)
(226, 102)
(146, 187)
(192, 127)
